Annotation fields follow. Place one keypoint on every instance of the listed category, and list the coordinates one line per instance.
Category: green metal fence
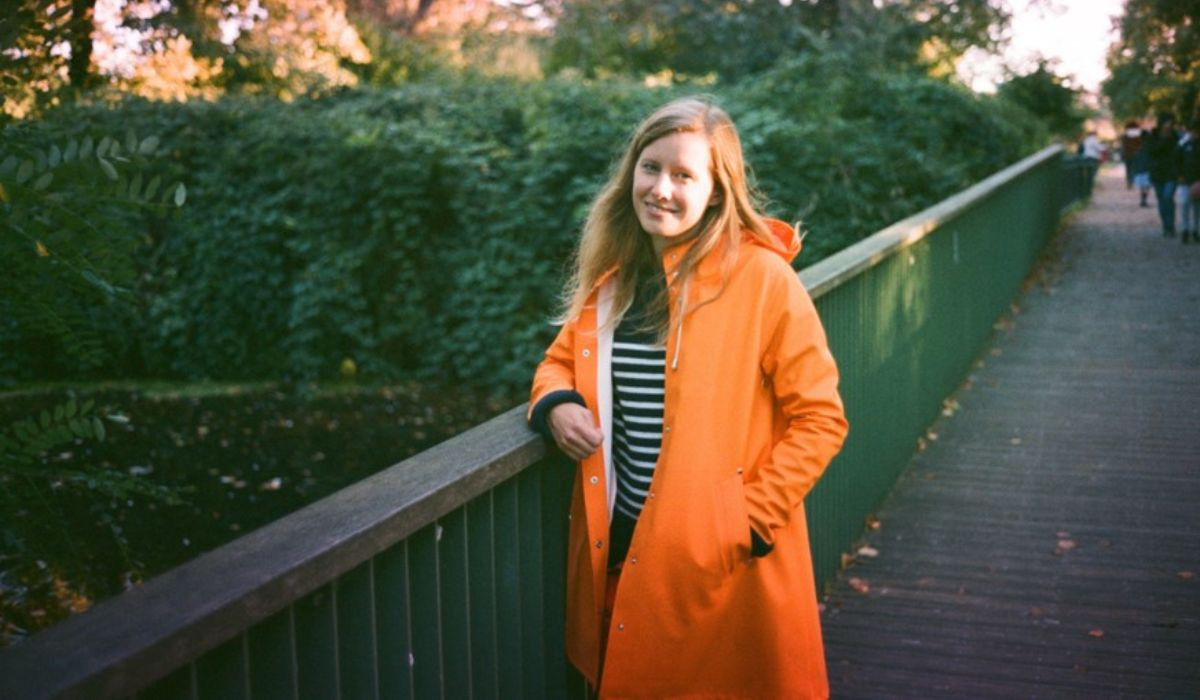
(443, 576)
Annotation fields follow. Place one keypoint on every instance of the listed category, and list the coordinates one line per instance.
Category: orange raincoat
(751, 418)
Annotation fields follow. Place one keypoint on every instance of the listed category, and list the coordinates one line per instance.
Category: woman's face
(673, 185)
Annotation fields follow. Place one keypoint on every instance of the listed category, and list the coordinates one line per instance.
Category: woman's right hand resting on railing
(574, 430)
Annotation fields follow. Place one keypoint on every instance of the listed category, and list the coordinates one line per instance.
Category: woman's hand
(573, 430)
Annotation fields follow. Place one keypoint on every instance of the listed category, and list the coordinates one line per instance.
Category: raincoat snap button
(633, 561)
(666, 428)
(599, 544)
(621, 626)
(595, 479)
(587, 352)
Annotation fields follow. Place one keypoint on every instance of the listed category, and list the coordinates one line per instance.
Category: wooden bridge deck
(1046, 542)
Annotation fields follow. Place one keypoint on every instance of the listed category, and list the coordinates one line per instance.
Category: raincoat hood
(785, 240)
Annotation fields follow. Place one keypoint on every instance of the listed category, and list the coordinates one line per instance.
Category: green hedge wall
(423, 231)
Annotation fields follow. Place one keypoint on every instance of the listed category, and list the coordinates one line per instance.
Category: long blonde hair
(613, 238)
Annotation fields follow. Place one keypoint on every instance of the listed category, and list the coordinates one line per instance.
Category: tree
(45, 53)
(1154, 65)
(1046, 95)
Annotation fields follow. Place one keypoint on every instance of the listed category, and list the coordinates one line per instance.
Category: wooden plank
(425, 608)
(485, 681)
(272, 652)
(357, 657)
(316, 644)
(393, 623)
(222, 673)
(509, 615)
(453, 576)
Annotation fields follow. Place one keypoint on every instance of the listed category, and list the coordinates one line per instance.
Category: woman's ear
(717, 196)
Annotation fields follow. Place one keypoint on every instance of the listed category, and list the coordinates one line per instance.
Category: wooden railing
(443, 575)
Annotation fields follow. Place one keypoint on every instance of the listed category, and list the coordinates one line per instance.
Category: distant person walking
(1093, 153)
(1189, 181)
(1133, 153)
(1162, 148)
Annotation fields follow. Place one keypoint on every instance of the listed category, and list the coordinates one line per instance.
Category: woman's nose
(662, 187)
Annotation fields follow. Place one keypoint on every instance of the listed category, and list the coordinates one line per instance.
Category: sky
(1075, 32)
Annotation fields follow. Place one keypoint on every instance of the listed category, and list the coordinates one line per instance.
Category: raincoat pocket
(733, 522)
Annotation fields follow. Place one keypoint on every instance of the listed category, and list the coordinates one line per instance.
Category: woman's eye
(650, 167)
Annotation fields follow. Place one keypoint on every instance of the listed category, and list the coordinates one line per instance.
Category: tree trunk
(79, 35)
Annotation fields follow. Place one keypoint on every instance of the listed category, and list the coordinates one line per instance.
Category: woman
(692, 381)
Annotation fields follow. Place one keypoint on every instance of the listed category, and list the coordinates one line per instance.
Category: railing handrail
(829, 273)
(154, 628)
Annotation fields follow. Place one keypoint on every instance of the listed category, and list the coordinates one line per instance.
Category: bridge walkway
(1046, 540)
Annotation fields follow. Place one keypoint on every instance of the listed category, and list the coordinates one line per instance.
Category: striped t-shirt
(638, 365)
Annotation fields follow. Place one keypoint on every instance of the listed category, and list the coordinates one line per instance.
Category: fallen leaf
(1097, 633)
(872, 522)
(1187, 575)
(1015, 441)
(1035, 612)
(847, 559)
(866, 551)
(1066, 545)
(859, 585)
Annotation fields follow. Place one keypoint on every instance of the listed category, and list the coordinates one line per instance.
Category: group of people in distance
(1166, 159)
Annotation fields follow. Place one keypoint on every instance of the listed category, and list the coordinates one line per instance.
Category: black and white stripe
(637, 378)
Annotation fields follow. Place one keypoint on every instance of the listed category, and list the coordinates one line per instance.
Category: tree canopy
(1154, 64)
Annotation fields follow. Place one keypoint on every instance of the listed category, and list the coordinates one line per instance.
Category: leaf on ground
(872, 522)
(859, 585)
(847, 559)
(1097, 633)
(1187, 575)
(1015, 441)
(866, 551)
(1066, 545)
(1035, 612)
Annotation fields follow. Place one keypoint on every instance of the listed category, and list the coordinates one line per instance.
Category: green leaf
(44, 181)
(105, 144)
(70, 409)
(152, 187)
(44, 419)
(59, 412)
(98, 427)
(78, 427)
(85, 149)
(8, 166)
(86, 407)
(131, 142)
(55, 155)
(148, 146)
(108, 169)
(24, 172)
(71, 151)
(134, 185)
(180, 194)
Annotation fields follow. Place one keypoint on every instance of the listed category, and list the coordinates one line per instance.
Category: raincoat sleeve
(554, 380)
(804, 379)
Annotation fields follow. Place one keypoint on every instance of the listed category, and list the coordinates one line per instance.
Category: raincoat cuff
(541, 410)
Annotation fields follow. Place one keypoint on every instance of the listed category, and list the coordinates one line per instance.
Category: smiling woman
(688, 529)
